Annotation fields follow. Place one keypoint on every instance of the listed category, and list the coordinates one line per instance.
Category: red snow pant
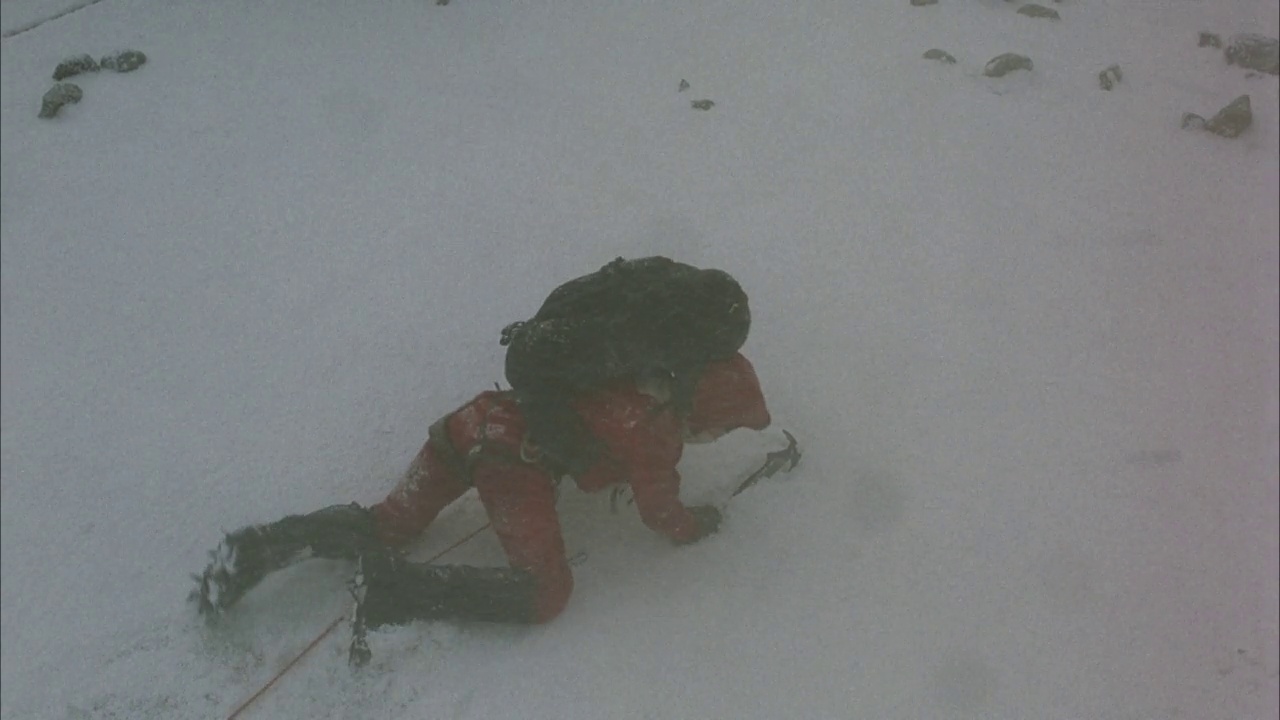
(518, 496)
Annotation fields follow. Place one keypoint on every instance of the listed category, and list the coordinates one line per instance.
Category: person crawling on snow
(627, 430)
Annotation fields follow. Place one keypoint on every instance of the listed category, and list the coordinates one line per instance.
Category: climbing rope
(325, 633)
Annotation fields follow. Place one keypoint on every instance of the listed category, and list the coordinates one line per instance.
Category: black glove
(708, 517)
(249, 554)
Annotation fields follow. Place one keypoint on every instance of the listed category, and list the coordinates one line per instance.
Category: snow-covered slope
(19, 16)
(1025, 329)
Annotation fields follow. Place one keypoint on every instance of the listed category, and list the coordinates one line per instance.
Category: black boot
(397, 591)
(338, 532)
(390, 590)
(249, 554)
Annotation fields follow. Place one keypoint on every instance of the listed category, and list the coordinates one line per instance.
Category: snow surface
(19, 16)
(1026, 331)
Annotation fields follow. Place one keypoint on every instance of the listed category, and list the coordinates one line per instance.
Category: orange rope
(325, 633)
(774, 462)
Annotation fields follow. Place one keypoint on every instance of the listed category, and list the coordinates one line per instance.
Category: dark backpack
(645, 318)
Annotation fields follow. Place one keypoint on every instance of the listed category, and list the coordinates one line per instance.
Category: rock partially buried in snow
(940, 56)
(1002, 65)
(1255, 52)
(1110, 77)
(74, 66)
(922, 3)
(59, 95)
(702, 104)
(123, 61)
(1192, 121)
(684, 85)
(1208, 39)
(1039, 11)
(1233, 119)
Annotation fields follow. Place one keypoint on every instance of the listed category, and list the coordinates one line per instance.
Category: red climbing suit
(481, 444)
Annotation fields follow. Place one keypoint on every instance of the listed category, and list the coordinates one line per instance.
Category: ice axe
(784, 459)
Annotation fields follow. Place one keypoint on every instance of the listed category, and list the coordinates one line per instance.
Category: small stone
(1039, 11)
(684, 85)
(74, 66)
(124, 61)
(1192, 121)
(922, 3)
(1233, 119)
(939, 55)
(1208, 39)
(1110, 77)
(703, 104)
(1254, 52)
(1002, 65)
(59, 95)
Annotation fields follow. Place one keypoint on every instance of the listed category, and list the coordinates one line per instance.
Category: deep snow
(1026, 331)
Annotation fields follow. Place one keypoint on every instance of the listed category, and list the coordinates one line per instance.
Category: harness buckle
(529, 452)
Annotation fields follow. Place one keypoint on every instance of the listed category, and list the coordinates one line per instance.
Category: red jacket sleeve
(643, 443)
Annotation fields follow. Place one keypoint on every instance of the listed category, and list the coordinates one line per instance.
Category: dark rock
(74, 66)
(1192, 121)
(59, 95)
(1208, 39)
(939, 55)
(1233, 119)
(703, 104)
(922, 3)
(1040, 11)
(1110, 77)
(684, 85)
(1002, 65)
(123, 61)
(1255, 52)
